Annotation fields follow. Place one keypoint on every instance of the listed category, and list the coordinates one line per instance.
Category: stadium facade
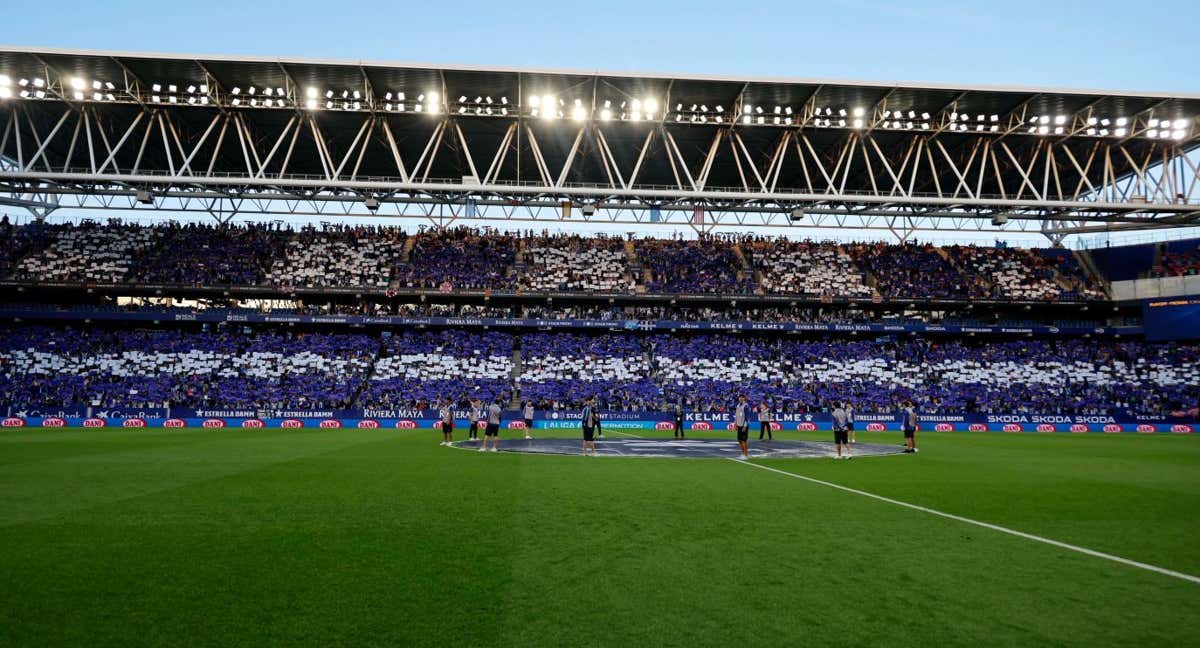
(344, 325)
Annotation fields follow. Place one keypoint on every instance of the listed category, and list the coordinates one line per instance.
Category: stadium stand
(1014, 273)
(915, 271)
(56, 366)
(703, 266)
(806, 268)
(418, 368)
(339, 257)
(206, 255)
(561, 370)
(88, 253)
(1179, 259)
(575, 263)
(43, 365)
(460, 258)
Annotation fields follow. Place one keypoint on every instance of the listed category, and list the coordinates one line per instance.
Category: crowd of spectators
(338, 257)
(575, 263)
(915, 271)
(46, 366)
(463, 258)
(1178, 264)
(706, 265)
(805, 268)
(460, 258)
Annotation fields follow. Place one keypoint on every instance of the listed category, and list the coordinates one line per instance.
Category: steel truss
(228, 161)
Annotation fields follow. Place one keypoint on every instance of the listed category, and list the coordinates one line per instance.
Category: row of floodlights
(550, 107)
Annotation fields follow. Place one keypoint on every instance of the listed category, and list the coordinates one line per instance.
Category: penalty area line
(987, 525)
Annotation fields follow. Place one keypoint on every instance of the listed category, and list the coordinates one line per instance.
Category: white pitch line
(986, 525)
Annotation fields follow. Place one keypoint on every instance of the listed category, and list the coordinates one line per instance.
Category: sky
(1100, 44)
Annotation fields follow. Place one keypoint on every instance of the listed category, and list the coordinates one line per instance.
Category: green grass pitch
(121, 537)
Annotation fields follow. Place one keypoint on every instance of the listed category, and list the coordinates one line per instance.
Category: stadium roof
(410, 133)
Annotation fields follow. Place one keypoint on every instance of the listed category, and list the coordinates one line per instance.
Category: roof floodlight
(578, 102)
(191, 100)
(703, 108)
(995, 118)
(78, 96)
(978, 128)
(312, 93)
(1120, 132)
(480, 100)
(979, 118)
(24, 93)
(912, 114)
(787, 121)
(778, 110)
(96, 85)
(236, 90)
(787, 110)
(761, 120)
(747, 108)
(963, 117)
(995, 128)
(1181, 123)
(1058, 130)
(1044, 119)
(720, 108)
(5, 92)
(487, 110)
(745, 119)
(419, 107)
(462, 99)
(758, 109)
(204, 88)
(78, 83)
(775, 120)
(1178, 135)
(859, 111)
(678, 106)
(1092, 121)
(23, 82)
(155, 99)
(1104, 132)
(1104, 122)
(841, 123)
(535, 101)
(1153, 123)
(357, 94)
(858, 123)
(345, 94)
(636, 104)
(578, 113)
(462, 110)
(504, 100)
(650, 104)
(924, 115)
(329, 104)
(1121, 121)
(925, 126)
(5, 80)
(329, 94)
(1091, 131)
(236, 101)
(841, 112)
(203, 101)
(191, 89)
(1042, 130)
(1060, 119)
(1152, 133)
(489, 100)
(39, 82)
(548, 102)
(434, 96)
(97, 96)
(311, 104)
(888, 113)
(156, 87)
(387, 97)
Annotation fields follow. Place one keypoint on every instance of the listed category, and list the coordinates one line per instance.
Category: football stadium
(327, 352)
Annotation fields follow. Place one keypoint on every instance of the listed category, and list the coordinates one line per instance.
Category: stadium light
(1120, 132)
(859, 111)
(578, 113)
(1181, 123)
(5, 92)
(1178, 135)
(78, 83)
(650, 105)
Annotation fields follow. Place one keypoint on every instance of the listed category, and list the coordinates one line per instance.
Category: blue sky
(1102, 44)
(1099, 44)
